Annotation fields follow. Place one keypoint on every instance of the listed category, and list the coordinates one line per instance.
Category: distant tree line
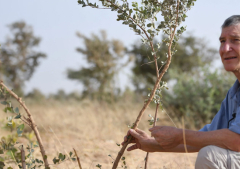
(196, 88)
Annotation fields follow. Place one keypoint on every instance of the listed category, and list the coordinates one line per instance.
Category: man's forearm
(222, 138)
(182, 149)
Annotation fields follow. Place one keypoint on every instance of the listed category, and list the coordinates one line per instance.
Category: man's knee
(204, 156)
(211, 157)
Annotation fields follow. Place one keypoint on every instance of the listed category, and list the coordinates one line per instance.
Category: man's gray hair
(232, 20)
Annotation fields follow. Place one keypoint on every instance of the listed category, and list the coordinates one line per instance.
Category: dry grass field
(93, 129)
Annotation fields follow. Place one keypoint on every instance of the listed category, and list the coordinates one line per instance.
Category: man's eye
(222, 41)
(237, 39)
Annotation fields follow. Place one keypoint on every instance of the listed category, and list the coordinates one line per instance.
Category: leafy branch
(30, 121)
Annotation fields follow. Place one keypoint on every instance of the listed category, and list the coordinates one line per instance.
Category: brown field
(93, 129)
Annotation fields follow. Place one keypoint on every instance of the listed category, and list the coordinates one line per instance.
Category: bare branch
(78, 159)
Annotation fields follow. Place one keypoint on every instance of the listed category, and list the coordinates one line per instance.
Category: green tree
(103, 57)
(18, 57)
(192, 53)
(197, 96)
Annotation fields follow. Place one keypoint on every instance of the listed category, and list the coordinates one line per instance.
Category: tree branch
(33, 124)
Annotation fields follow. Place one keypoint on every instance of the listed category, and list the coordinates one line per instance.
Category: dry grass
(93, 129)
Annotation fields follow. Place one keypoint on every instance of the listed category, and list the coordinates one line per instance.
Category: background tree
(103, 57)
(197, 96)
(192, 53)
(18, 58)
(35, 95)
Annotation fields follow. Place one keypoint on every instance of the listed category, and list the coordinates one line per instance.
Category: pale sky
(56, 22)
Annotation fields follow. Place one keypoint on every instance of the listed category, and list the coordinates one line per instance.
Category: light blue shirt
(229, 106)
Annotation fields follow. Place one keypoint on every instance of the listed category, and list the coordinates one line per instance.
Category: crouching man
(218, 143)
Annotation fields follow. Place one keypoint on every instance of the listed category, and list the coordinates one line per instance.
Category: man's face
(230, 48)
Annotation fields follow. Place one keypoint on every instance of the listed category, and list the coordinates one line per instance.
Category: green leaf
(21, 127)
(18, 116)
(55, 161)
(11, 109)
(130, 12)
(39, 161)
(70, 154)
(149, 25)
(149, 31)
(45, 157)
(61, 156)
(74, 159)
(4, 102)
(6, 109)
(16, 110)
(98, 166)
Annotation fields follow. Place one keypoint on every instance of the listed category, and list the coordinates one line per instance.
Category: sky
(57, 21)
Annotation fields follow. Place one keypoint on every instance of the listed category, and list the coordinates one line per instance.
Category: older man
(218, 143)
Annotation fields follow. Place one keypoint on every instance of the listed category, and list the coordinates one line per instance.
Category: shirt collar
(234, 88)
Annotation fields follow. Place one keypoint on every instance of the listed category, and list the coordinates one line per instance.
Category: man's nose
(226, 47)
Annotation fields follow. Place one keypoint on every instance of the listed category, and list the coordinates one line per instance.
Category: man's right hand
(142, 141)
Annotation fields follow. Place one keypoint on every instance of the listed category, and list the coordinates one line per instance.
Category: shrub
(198, 96)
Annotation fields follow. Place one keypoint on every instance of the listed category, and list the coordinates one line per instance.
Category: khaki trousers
(213, 157)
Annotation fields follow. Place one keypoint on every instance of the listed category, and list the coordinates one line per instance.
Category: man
(218, 143)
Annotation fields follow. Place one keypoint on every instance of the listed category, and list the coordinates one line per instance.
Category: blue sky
(56, 22)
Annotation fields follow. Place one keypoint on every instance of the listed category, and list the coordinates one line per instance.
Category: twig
(184, 140)
(78, 159)
(148, 62)
(154, 124)
(32, 123)
(25, 121)
(23, 158)
(146, 160)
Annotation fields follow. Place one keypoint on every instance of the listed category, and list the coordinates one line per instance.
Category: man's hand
(141, 141)
(167, 137)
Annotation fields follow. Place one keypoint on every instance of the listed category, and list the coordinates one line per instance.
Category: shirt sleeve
(205, 128)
